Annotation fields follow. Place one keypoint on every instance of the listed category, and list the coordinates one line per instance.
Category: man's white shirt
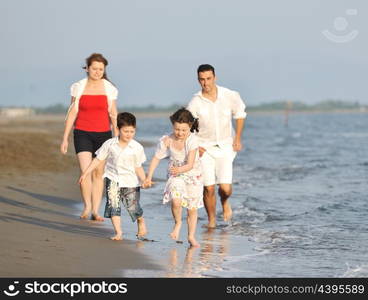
(215, 126)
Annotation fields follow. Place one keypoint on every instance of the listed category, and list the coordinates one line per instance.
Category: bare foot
(85, 213)
(97, 218)
(228, 213)
(117, 237)
(193, 242)
(175, 233)
(142, 230)
(210, 225)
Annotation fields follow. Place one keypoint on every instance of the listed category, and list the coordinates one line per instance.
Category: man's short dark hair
(205, 68)
(126, 119)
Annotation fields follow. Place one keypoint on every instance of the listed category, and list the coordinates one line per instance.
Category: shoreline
(59, 118)
(42, 236)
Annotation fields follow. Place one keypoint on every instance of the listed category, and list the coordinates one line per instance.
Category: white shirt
(180, 157)
(214, 117)
(121, 162)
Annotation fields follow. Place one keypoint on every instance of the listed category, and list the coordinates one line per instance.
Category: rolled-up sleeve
(161, 150)
(103, 151)
(238, 107)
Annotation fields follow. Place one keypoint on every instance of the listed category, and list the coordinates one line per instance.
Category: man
(214, 106)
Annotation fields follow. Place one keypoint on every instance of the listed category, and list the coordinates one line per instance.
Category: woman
(93, 113)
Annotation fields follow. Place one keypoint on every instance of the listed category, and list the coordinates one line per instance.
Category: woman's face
(96, 70)
(181, 130)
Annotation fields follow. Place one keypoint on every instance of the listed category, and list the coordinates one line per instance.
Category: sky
(267, 50)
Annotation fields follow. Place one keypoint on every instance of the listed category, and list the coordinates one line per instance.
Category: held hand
(147, 183)
(174, 170)
(201, 151)
(80, 180)
(64, 147)
(237, 145)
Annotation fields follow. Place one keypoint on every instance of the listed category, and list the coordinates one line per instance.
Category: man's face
(207, 80)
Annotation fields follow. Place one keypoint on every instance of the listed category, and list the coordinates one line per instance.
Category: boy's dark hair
(183, 115)
(205, 68)
(126, 119)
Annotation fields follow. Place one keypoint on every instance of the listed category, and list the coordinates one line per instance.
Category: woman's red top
(93, 113)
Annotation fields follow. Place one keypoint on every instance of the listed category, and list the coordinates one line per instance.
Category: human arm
(69, 122)
(141, 175)
(93, 165)
(113, 113)
(237, 143)
(153, 165)
(187, 167)
(161, 152)
(194, 108)
(201, 150)
(239, 114)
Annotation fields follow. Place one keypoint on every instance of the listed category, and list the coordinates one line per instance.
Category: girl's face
(96, 70)
(181, 130)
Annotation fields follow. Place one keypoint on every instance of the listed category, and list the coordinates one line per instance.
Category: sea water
(300, 203)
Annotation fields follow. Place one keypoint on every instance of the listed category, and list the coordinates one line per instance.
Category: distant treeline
(327, 105)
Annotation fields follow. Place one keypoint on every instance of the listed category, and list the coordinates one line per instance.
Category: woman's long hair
(99, 58)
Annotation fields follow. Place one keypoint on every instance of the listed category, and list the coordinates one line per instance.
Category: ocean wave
(358, 271)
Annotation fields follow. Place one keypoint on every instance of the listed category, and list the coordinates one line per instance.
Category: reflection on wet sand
(197, 261)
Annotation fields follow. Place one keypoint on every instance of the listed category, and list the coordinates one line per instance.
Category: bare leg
(84, 159)
(209, 198)
(115, 220)
(225, 192)
(176, 212)
(97, 190)
(192, 224)
(142, 230)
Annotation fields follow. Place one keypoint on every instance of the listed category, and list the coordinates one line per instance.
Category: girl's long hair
(183, 115)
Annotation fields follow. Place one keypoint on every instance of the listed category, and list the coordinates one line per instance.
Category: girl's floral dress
(188, 186)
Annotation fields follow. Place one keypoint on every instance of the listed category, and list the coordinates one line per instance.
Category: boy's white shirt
(77, 89)
(122, 162)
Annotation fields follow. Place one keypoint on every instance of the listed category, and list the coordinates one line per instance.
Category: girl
(92, 113)
(184, 187)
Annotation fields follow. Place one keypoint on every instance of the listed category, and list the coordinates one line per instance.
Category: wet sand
(40, 232)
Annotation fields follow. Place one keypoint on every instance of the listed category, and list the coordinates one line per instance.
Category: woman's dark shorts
(128, 196)
(89, 141)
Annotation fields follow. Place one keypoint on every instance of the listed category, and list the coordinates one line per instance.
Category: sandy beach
(40, 233)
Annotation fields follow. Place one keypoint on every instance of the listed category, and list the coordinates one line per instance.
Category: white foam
(244, 257)
(359, 271)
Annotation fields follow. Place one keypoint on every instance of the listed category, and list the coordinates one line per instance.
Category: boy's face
(126, 133)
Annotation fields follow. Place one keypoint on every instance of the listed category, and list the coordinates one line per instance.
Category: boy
(123, 171)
